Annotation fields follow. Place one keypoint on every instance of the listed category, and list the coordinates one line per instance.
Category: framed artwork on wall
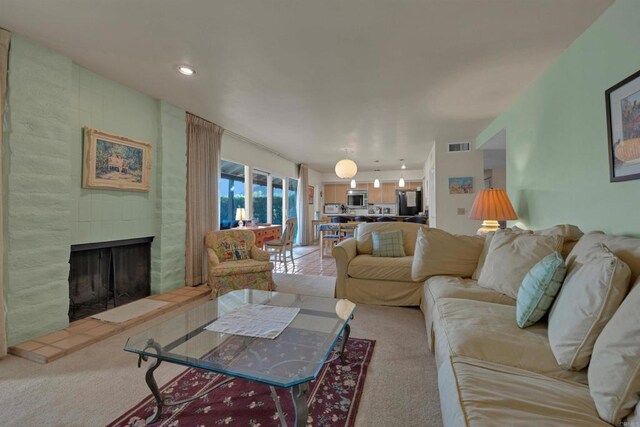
(461, 185)
(623, 129)
(310, 193)
(115, 162)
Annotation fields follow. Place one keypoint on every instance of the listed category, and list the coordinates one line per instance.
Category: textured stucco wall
(49, 100)
(169, 246)
(102, 215)
(37, 188)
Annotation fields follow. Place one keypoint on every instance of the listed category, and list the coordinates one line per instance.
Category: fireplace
(105, 275)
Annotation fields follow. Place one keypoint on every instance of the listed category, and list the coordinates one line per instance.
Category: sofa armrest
(259, 254)
(343, 253)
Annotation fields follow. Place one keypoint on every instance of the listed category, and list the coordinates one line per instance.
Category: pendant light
(401, 182)
(346, 168)
(353, 183)
(376, 182)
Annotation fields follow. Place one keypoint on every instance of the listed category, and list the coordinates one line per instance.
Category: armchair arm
(343, 253)
(259, 255)
(213, 259)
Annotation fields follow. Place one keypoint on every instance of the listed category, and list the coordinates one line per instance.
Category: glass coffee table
(291, 360)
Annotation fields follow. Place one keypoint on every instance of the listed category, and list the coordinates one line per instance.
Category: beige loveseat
(366, 279)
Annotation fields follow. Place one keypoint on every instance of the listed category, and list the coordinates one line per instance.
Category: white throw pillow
(511, 256)
(591, 293)
(439, 253)
(614, 371)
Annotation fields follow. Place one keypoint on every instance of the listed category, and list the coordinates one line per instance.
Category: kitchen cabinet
(330, 193)
(341, 193)
(375, 194)
(388, 192)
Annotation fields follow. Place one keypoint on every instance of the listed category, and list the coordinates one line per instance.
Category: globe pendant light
(353, 183)
(346, 168)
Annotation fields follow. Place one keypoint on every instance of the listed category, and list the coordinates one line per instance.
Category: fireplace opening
(105, 275)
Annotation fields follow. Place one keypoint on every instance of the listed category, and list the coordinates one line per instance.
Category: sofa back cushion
(594, 287)
(614, 371)
(625, 248)
(511, 256)
(570, 235)
(439, 253)
(409, 235)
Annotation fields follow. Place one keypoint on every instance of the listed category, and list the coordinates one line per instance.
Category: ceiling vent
(459, 147)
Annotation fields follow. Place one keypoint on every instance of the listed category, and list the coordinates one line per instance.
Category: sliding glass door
(231, 192)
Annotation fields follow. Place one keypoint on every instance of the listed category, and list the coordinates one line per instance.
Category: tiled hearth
(84, 332)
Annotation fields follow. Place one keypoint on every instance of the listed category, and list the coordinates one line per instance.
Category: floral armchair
(235, 262)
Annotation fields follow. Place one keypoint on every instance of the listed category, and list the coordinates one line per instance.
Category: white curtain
(203, 174)
(303, 237)
(5, 36)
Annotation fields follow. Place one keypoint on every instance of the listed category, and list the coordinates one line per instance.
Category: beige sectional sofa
(491, 372)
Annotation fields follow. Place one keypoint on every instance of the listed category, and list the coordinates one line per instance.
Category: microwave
(357, 199)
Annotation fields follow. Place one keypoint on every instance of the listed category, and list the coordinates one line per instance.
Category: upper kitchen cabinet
(330, 193)
(341, 193)
(388, 192)
(375, 194)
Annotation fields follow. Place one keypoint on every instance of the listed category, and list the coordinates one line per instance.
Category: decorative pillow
(539, 288)
(592, 292)
(483, 255)
(439, 253)
(511, 256)
(614, 370)
(238, 251)
(387, 243)
(570, 234)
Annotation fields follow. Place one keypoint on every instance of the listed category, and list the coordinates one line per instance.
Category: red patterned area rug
(333, 397)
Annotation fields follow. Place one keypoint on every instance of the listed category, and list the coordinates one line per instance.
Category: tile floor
(310, 263)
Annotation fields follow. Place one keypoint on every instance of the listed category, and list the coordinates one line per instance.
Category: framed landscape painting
(310, 193)
(623, 128)
(461, 185)
(115, 162)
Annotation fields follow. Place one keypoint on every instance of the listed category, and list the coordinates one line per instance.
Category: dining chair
(279, 247)
(330, 237)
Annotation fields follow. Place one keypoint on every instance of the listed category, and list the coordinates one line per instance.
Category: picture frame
(461, 185)
(623, 129)
(310, 193)
(115, 162)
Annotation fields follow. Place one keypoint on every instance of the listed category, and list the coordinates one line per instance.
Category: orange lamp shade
(492, 204)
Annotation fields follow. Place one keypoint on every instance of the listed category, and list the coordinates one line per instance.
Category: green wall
(557, 155)
(49, 100)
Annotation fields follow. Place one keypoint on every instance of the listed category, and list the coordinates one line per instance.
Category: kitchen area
(369, 202)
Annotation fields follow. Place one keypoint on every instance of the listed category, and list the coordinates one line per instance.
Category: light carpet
(129, 311)
(90, 386)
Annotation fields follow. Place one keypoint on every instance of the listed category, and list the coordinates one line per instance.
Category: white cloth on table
(255, 320)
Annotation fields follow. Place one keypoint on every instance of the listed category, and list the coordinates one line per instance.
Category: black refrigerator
(409, 202)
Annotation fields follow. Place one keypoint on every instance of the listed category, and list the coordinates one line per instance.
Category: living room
(375, 169)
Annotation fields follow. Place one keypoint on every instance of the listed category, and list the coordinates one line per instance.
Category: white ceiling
(310, 77)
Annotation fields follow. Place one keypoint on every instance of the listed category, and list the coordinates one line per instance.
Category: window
(292, 197)
(231, 192)
(260, 196)
(276, 197)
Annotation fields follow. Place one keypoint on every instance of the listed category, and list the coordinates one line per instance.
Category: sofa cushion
(438, 287)
(539, 288)
(380, 268)
(483, 255)
(440, 253)
(511, 256)
(244, 266)
(569, 233)
(593, 290)
(387, 244)
(488, 331)
(614, 371)
(409, 235)
(625, 248)
(491, 394)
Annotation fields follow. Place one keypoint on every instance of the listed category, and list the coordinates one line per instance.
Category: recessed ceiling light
(186, 70)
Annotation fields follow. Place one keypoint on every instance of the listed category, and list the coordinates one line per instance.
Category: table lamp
(491, 206)
(240, 216)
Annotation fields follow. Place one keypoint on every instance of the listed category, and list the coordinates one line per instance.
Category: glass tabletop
(295, 356)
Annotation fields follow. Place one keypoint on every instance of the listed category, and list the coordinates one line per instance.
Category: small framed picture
(623, 128)
(115, 162)
(310, 193)
(461, 185)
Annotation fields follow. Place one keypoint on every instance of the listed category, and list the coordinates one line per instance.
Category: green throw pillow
(539, 287)
(387, 243)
